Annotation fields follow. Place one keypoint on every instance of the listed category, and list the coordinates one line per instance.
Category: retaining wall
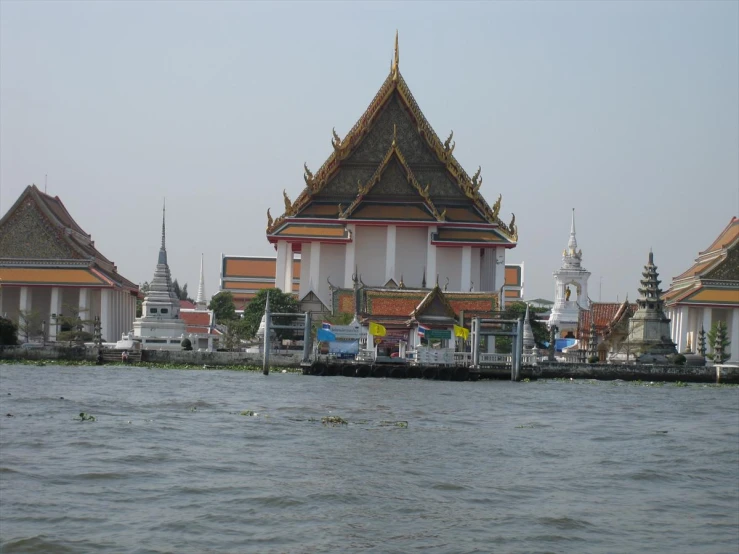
(634, 372)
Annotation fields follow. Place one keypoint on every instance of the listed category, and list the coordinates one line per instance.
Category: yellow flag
(377, 330)
(461, 332)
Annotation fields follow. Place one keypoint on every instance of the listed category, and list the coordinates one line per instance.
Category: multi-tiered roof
(651, 294)
(393, 167)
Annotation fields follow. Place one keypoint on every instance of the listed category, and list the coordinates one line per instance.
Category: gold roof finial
(396, 58)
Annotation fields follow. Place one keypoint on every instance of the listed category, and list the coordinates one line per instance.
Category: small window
(164, 311)
(152, 310)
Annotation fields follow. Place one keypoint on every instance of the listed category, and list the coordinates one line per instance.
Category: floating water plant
(401, 424)
(249, 413)
(85, 417)
(334, 420)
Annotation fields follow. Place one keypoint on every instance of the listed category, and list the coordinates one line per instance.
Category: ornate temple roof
(713, 279)
(41, 244)
(605, 315)
(391, 166)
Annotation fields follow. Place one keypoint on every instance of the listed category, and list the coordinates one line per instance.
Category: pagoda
(649, 328)
(160, 326)
(391, 201)
(569, 278)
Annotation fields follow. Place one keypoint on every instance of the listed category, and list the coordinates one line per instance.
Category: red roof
(186, 305)
(196, 318)
(603, 313)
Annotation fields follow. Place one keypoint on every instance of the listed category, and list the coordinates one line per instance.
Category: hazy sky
(626, 111)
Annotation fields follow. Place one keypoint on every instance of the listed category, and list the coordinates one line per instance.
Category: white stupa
(160, 326)
(570, 289)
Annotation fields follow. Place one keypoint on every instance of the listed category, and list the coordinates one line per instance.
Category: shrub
(593, 359)
(679, 359)
(186, 344)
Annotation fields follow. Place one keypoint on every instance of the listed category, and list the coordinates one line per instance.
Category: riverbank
(148, 365)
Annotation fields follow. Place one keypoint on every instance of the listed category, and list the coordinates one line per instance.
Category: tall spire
(163, 248)
(200, 299)
(572, 244)
(396, 57)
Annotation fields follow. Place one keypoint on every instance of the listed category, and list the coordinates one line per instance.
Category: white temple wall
(304, 270)
(499, 280)
(410, 256)
(449, 266)
(11, 301)
(332, 268)
(370, 249)
(475, 270)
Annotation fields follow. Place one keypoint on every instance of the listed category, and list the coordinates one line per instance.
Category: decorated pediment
(393, 121)
(27, 233)
(435, 305)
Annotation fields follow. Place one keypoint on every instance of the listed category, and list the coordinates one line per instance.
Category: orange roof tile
(37, 276)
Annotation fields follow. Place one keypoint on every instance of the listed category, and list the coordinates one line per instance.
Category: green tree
(71, 326)
(223, 307)
(719, 343)
(8, 332)
(516, 310)
(144, 290)
(181, 292)
(279, 302)
(29, 324)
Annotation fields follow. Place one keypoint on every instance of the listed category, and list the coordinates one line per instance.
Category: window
(164, 311)
(152, 310)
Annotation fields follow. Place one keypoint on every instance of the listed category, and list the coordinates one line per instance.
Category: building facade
(49, 266)
(390, 204)
(708, 292)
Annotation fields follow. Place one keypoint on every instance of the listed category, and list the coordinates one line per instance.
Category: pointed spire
(651, 256)
(164, 230)
(396, 58)
(163, 248)
(200, 299)
(572, 244)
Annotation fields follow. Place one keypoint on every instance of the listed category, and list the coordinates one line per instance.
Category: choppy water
(171, 466)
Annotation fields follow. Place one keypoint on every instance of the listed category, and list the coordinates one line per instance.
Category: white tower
(160, 323)
(570, 288)
(200, 300)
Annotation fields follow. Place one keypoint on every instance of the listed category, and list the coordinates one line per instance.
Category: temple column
(390, 253)
(55, 310)
(683, 339)
(105, 314)
(288, 282)
(83, 306)
(499, 253)
(25, 299)
(707, 319)
(734, 337)
(466, 269)
(349, 258)
(281, 264)
(431, 258)
(315, 267)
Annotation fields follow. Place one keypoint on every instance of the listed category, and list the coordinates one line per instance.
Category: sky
(626, 111)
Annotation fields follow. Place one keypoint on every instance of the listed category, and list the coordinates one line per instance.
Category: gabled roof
(605, 315)
(713, 279)
(434, 304)
(355, 166)
(38, 231)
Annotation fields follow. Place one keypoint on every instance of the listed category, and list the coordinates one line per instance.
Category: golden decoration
(448, 141)
(396, 59)
(335, 141)
(496, 206)
(395, 134)
(270, 221)
(288, 204)
(442, 216)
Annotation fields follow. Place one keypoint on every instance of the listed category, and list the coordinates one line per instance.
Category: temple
(570, 278)
(708, 292)
(50, 266)
(160, 325)
(392, 204)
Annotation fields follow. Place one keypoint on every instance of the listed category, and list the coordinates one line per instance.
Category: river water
(170, 465)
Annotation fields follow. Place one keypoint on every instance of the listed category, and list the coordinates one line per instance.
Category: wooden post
(306, 338)
(267, 331)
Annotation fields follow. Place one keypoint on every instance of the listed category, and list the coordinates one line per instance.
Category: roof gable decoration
(342, 148)
(435, 304)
